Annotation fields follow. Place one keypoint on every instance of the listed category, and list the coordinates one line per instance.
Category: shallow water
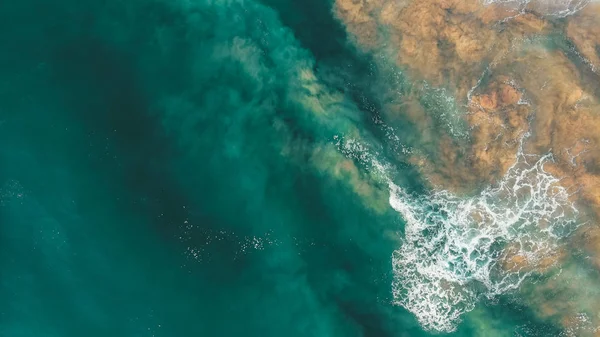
(223, 168)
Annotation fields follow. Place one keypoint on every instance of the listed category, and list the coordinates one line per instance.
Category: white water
(557, 8)
(454, 247)
(453, 250)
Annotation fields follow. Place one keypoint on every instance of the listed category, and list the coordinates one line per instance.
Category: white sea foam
(556, 8)
(446, 110)
(454, 247)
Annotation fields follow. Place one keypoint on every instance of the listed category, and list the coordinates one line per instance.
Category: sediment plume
(568, 297)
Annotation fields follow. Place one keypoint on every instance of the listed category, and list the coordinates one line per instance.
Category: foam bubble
(11, 191)
(454, 247)
(443, 106)
(556, 8)
(455, 250)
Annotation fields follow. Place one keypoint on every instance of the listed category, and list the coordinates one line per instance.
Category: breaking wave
(456, 250)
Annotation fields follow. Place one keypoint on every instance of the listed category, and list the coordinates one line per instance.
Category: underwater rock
(442, 42)
(584, 31)
(493, 58)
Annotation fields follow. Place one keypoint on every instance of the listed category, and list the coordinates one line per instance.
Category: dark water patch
(316, 29)
(126, 141)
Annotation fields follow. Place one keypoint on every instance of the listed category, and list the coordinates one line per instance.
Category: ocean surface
(253, 168)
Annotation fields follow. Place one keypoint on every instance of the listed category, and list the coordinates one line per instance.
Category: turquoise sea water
(166, 170)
